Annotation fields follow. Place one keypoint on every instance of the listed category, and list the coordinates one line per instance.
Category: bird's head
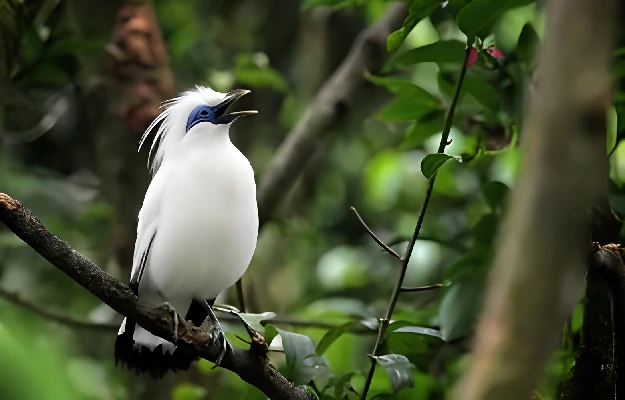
(200, 111)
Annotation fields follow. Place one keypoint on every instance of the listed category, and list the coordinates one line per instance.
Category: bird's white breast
(208, 222)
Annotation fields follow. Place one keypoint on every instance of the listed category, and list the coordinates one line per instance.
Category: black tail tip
(154, 363)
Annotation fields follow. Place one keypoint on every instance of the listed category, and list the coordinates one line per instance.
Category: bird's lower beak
(231, 97)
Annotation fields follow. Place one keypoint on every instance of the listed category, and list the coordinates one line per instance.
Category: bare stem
(374, 237)
(391, 307)
(421, 288)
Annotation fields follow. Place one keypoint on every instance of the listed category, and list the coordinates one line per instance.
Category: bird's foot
(216, 332)
(258, 342)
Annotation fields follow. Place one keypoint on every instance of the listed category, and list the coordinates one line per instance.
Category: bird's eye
(203, 113)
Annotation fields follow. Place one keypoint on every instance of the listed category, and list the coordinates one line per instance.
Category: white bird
(198, 225)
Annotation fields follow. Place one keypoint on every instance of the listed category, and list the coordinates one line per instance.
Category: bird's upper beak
(221, 108)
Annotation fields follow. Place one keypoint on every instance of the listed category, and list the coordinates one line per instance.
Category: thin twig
(374, 237)
(54, 316)
(73, 322)
(421, 288)
(441, 148)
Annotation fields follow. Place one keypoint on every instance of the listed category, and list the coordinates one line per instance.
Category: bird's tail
(145, 353)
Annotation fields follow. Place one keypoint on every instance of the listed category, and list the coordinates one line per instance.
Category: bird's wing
(147, 225)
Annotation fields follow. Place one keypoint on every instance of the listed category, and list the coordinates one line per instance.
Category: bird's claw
(174, 315)
(216, 332)
(224, 343)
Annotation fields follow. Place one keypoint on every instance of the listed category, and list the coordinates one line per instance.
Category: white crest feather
(173, 121)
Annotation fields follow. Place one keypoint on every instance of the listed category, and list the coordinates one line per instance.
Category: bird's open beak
(221, 108)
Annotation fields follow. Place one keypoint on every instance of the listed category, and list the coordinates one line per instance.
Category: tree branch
(368, 53)
(538, 271)
(406, 259)
(251, 365)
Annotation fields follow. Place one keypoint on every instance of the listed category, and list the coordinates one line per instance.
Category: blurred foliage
(314, 261)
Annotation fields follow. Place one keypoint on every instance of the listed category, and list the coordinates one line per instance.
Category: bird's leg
(174, 315)
(216, 332)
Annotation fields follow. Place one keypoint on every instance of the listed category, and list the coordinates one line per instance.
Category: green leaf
(480, 14)
(341, 385)
(443, 51)
(612, 128)
(409, 105)
(414, 342)
(432, 162)
(428, 125)
(496, 194)
(527, 46)
(418, 10)
(392, 84)
(420, 330)
(459, 309)
(399, 370)
(254, 320)
(261, 78)
(482, 91)
(303, 364)
(333, 334)
(270, 333)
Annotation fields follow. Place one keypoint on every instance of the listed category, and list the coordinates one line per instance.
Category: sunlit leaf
(371, 323)
(418, 10)
(399, 370)
(420, 330)
(432, 162)
(254, 320)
